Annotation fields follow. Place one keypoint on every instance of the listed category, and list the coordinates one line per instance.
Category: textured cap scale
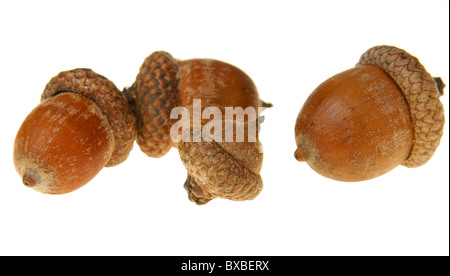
(153, 95)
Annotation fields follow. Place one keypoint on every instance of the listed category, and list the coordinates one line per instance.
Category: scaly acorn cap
(111, 101)
(422, 94)
(228, 170)
(153, 95)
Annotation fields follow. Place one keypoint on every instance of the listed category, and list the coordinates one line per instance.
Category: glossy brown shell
(62, 144)
(110, 100)
(355, 126)
(421, 93)
(216, 83)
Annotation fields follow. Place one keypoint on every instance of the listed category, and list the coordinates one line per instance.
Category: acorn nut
(215, 168)
(364, 122)
(82, 124)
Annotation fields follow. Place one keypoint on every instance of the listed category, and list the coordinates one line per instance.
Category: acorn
(164, 83)
(82, 124)
(365, 121)
(229, 170)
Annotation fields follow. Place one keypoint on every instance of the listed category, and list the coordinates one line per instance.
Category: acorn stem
(440, 85)
(266, 105)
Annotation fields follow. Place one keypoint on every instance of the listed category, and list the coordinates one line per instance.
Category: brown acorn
(82, 124)
(164, 83)
(365, 121)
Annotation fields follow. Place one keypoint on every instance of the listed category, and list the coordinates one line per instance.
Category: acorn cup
(218, 167)
(365, 121)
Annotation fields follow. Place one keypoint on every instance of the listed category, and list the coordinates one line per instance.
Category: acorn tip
(300, 155)
(28, 180)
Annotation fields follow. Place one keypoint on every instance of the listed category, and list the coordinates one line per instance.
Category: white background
(288, 48)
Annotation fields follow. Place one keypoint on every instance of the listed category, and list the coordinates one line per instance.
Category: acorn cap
(214, 172)
(228, 170)
(153, 95)
(110, 100)
(422, 95)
